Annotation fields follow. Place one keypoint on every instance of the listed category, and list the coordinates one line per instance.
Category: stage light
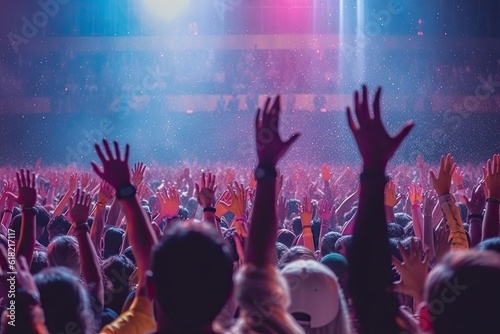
(166, 9)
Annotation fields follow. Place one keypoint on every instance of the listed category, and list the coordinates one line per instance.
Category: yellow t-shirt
(138, 319)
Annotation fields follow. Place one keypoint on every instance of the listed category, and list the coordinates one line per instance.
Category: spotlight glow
(166, 9)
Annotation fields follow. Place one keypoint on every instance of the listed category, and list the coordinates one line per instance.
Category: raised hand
(270, 147)
(375, 145)
(205, 190)
(79, 207)
(169, 202)
(458, 178)
(390, 197)
(281, 210)
(429, 204)
(85, 180)
(326, 172)
(492, 177)
(306, 211)
(115, 170)
(413, 270)
(26, 189)
(238, 201)
(442, 182)
(138, 173)
(476, 203)
(415, 193)
(105, 194)
(325, 210)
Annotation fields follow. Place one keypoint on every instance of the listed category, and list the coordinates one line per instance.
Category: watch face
(127, 191)
(259, 173)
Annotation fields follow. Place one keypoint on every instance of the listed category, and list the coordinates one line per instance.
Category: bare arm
(116, 172)
(27, 201)
(262, 235)
(91, 271)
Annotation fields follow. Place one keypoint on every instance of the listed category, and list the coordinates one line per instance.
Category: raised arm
(415, 195)
(475, 206)
(73, 180)
(27, 201)
(442, 185)
(116, 172)
(370, 258)
(391, 199)
(79, 214)
(104, 196)
(205, 194)
(270, 149)
(492, 181)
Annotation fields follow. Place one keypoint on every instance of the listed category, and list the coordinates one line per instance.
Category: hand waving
(270, 147)
(138, 173)
(26, 189)
(375, 145)
(205, 191)
(442, 183)
(116, 170)
(79, 207)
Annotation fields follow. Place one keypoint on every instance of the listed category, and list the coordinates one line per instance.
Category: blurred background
(181, 79)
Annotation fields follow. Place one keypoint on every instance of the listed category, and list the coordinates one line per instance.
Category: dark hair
(328, 243)
(286, 237)
(492, 244)
(183, 213)
(59, 224)
(192, 275)
(39, 262)
(345, 240)
(297, 225)
(295, 253)
(402, 219)
(42, 217)
(129, 254)
(293, 207)
(117, 270)
(395, 231)
(113, 239)
(463, 294)
(65, 300)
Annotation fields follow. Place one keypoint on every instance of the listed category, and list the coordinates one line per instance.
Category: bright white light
(167, 9)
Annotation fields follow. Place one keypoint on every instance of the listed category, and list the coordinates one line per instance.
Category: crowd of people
(72, 79)
(122, 248)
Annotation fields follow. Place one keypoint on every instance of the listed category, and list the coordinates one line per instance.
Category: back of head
(113, 239)
(492, 244)
(317, 303)
(294, 254)
(59, 225)
(395, 231)
(117, 270)
(343, 245)
(328, 243)
(63, 251)
(65, 301)
(192, 275)
(286, 237)
(462, 293)
(402, 219)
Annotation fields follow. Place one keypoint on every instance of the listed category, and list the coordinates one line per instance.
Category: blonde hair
(63, 251)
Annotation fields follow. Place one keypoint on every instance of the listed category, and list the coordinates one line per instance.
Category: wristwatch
(264, 172)
(126, 192)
